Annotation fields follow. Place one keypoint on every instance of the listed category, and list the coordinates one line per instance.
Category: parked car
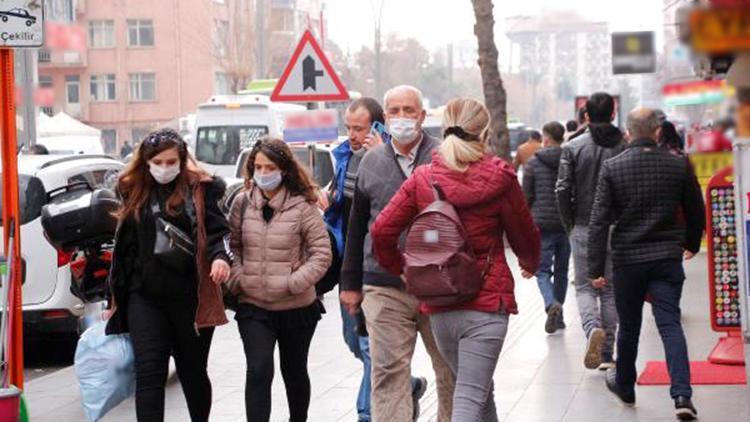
(49, 307)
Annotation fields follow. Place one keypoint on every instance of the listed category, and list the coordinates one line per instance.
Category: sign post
(21, 25)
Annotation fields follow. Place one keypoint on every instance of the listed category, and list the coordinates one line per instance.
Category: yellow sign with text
(720, 30)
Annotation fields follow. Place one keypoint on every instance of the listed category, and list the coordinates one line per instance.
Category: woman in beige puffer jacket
(282, 250)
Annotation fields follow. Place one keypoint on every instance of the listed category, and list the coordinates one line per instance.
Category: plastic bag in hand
(105, 366)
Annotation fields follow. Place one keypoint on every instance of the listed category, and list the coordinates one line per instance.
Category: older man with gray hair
(642, 192)
(392, 315)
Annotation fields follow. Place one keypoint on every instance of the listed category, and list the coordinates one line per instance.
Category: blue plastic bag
(105, 366)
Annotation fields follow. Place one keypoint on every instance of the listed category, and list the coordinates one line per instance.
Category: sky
(436, 23)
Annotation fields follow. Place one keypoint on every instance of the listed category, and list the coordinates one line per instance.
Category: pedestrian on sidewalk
(168, 302)
(580, 162)
(282, 249)
(540, 175)
(485, 192)
(527, 149)
(640, 192)
(392, 315)
(359, 118)
(582, 125)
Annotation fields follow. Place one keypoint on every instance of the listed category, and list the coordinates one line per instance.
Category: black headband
(460, 133)
(155, 139)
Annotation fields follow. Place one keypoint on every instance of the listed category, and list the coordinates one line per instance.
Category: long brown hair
(296, 178)
(136, 184)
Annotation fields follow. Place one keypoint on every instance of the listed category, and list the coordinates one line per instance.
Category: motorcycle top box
(77, 215)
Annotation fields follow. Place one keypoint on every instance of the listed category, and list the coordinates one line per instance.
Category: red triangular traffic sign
(309, 76)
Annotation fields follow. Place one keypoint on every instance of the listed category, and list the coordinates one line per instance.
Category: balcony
(61, 59)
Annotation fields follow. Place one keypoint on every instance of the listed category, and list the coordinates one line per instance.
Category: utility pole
(378, 17)
(27, 71)
(261, 37)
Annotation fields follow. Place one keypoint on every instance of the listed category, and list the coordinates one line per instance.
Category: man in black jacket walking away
(641, 192)
(540, 175)
(580, 162)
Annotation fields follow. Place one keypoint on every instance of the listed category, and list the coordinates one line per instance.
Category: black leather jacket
(580, 163)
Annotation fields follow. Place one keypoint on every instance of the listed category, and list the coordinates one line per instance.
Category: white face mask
(404, 131)
(268, 182)
(164, 174)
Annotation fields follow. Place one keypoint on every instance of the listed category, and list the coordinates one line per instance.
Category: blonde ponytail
(472, 119)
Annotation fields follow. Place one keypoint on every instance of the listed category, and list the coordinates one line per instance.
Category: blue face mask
(268, 182)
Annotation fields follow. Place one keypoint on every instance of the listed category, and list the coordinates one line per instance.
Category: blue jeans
(663, 281)
(552, 276)
(360, 347)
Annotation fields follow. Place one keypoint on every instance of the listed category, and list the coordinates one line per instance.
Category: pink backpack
(441, 267)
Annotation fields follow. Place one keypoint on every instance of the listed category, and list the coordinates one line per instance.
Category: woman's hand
(220, 271)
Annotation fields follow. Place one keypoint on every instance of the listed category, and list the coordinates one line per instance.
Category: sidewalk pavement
(539, 377)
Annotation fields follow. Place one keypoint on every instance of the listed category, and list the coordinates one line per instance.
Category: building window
(73, 89)
(221, 37)
(44, 56)
(142, 87)
(140, 33)
(139, 134)
(222, 83)
(102, 34)
(103, 87)
(109, 139)
(45, 81)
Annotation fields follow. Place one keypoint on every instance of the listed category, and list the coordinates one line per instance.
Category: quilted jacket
(277, 263)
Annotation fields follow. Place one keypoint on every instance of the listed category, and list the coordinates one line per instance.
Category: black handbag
(172, 245)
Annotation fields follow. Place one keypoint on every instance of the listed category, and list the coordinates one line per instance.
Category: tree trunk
(492, 84)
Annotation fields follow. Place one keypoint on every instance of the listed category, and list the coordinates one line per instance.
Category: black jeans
(158, 331)
(662, 281)
(259, 337)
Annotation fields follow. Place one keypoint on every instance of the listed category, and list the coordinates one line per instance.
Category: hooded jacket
(578, 174)
(539, 177)
(490, 204)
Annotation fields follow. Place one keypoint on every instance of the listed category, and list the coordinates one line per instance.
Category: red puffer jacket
(490, 203)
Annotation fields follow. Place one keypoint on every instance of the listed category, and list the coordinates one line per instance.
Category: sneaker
(684, 409)
(554, 314)
(593, 357)
(627, 397)
(417, 391)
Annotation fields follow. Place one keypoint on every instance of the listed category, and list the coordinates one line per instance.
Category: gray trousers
(470, 343)
(596, 306)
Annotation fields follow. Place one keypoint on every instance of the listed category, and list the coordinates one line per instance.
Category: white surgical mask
(164, 174)
(268, 182)
(404, 131)
(359, 152)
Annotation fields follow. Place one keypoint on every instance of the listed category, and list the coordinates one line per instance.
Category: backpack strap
(436, 189)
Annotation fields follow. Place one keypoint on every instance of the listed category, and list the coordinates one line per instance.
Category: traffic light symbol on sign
(310, 73)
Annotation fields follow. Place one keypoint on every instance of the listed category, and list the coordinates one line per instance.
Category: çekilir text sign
(311, 126)
(21, 23)
(309, 76)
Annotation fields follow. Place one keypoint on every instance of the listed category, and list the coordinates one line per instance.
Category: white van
(228, 124)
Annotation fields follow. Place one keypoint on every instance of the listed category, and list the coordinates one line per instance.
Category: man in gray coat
(392, 315)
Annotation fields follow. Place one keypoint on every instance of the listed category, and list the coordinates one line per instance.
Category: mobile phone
(361, 326)
(380, 129)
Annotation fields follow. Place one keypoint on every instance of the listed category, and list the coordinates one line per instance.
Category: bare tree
(495, 97)
(236, 44)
